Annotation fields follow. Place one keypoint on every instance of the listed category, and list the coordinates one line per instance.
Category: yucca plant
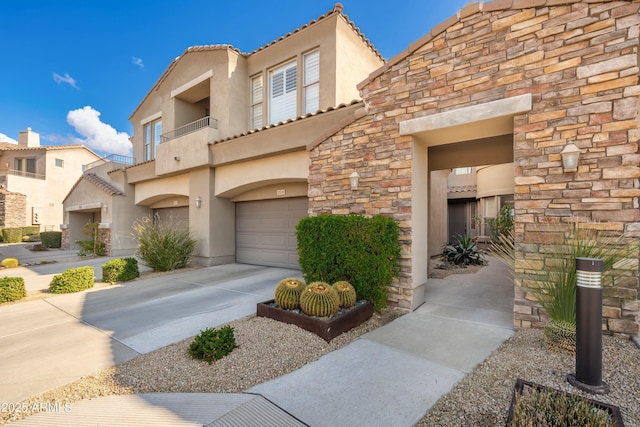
(554, 286)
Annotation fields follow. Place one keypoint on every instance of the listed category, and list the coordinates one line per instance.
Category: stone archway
(477, 134)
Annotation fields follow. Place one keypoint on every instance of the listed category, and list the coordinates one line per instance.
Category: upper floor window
(463, 171)
(59, 163)
(152, 132)
(311, 82)
(256, 102)
(283, 94)
(24, 166)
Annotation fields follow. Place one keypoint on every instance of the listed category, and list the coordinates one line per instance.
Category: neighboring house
(499, 82)
(220, 143)
(35, 179)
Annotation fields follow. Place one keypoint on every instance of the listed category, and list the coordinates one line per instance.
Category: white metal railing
(111, 158)
(189, 128)
(17, 172)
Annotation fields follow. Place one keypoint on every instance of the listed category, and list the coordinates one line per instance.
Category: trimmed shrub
(120, 270)
(164, 246)
(51, 239)
(12, 235)
(30, 230)
(31, 238)
(72, 280)
(12, 289)
(213, 344)
(10, 263)
(363, 251)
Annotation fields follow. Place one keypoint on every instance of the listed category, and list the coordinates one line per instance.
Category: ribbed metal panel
(259, 412)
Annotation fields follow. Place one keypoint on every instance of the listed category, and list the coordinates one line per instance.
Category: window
(256, 102)
(283, 93)
(24, 166)
(463, 171)
(152, 132)
(311, 83)
(59, 163)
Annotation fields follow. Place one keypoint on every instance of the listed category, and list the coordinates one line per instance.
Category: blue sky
(75, 70)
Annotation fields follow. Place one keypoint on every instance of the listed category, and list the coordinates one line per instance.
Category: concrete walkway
(390, 376)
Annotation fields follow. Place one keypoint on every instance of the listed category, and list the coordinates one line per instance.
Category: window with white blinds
(283, 93)
(311, 83)
(256, 102)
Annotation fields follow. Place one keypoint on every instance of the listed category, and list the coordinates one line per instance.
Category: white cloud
(137, 61)
(5, 138)
(65, 79)
(95, 134)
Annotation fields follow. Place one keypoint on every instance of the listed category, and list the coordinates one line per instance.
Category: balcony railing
(17, 172)
(205, 122)
(111, 158)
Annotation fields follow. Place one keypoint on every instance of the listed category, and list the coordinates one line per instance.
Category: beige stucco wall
(149, 192)
(495, 180)
(438, 226)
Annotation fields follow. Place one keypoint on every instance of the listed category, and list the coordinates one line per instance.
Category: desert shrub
(555, 408)
(94, 245)
(363, 251)
(213, 344)
(72, 280)
(12, 235)
(51, 239)
(10, 263)
(164, 246)
(120, 270)
(31, 238)
(463, 252)
(31, 230)
(12, 289)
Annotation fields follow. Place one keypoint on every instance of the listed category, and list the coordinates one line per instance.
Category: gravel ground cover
(268, 349)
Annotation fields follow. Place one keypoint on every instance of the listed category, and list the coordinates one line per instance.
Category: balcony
(115, 160)
(205, 122)
(16, 172)
(186, 147)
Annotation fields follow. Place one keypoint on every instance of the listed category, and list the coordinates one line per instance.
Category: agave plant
(464, 252)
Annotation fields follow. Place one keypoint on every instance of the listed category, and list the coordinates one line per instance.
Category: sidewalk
(389, 376)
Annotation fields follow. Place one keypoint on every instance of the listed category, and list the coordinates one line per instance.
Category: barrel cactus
(319, 299)
(10, 263)
(287, 293)
(346, 293)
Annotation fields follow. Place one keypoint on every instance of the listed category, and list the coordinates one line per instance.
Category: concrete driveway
(50, 342)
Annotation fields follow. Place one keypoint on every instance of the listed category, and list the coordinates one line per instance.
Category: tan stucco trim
(484, 120)
(150, 192)
(188, 85)
(234, 179)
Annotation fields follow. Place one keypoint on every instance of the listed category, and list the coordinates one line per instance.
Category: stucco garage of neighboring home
(501, 80)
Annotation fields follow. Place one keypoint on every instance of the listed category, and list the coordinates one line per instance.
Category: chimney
(28, 138)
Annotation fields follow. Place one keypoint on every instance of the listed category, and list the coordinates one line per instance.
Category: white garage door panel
(266, 231)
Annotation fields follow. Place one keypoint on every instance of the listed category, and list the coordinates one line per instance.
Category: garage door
(266, 231)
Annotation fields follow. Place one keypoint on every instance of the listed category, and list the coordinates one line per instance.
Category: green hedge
(12, 289)
(72, 280)
(120, 270)
(363, 251)
(30, 230)
(12, 235)
(51, 239)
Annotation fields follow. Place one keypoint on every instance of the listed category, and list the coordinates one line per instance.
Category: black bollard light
(588, 376)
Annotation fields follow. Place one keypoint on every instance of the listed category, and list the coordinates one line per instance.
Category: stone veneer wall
(13, 209)
(579, 62)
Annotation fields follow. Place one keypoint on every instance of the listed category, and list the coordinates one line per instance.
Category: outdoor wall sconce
(354, 180)
(570, 154)
(198, 202)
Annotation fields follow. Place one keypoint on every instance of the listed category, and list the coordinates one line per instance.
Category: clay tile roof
(135, 164)
(295, 119)
(7, 146)
(102, 184)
